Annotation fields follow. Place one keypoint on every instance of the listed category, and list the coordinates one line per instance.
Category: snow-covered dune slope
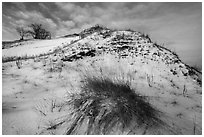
(129, 44)
(171, 86)
(36, 47)
(157, 72)
(139, 54)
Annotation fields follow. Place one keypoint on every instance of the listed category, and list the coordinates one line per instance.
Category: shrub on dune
(110, 107)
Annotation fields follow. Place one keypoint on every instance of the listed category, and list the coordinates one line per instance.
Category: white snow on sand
(33, 96)
(36, 47)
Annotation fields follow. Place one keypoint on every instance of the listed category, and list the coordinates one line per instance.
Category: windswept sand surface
(29, 94)
(22, 90)
(36, 47)
(35, 95)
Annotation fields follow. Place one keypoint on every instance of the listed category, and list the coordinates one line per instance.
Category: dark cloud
(178, 25)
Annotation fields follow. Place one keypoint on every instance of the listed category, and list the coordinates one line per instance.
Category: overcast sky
(176, 25)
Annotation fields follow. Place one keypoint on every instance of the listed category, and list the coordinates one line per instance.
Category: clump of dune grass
(110, 106)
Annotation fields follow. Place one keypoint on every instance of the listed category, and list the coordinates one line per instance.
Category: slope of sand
(34, 96)
(36, 47)
(29, 94)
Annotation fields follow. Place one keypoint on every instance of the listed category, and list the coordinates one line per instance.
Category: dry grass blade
(111, 106)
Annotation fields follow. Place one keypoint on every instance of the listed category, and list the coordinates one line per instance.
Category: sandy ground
(22, 90)
(36, 47)
(29, 93)
(34, 96)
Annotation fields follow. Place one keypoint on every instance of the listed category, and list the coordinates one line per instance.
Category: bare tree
(38, 32)
(22, 32)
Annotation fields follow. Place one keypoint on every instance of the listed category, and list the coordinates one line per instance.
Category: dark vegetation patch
(10, 44)
(80, 55)
(89, 31)
(71, 35)
(108, 106)
(173, 72)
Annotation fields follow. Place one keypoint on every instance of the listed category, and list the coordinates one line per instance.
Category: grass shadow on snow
(111, 106)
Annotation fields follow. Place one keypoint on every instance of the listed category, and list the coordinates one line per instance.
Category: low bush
(111, 106)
